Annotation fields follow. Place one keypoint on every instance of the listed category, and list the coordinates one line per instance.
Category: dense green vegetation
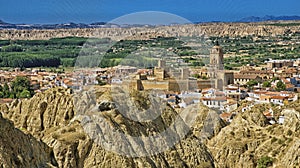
(256, 50)
(264, 162)
(55, 52)
(266, 84)
(19, 88)
(144, 53)
(280, 86)
(38, 53)
(64, 51)
(251, 84)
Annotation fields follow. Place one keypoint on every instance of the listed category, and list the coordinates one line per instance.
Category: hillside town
(278, 83)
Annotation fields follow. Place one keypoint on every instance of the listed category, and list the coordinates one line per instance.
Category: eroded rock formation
(192, 30)
(56, 123)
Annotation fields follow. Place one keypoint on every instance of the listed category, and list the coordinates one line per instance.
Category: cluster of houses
(224, 101)
(178, 88)
(286, 70)
(40, 79)
(227, 100)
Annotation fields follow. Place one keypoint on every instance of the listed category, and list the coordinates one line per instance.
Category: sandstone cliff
(208, 29)
(66, 131)
(22, 150)
(52, 117)
(250, 137)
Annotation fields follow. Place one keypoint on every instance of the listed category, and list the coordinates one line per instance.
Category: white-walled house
(281, 120)
(230, 106)
(116, 81)
(279, 100)
(215, 102)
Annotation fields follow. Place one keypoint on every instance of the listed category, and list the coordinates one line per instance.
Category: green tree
(280, 86)
(196, 76)
(20, 87)
(6, 90)
(20, 83)
(264, 162)
(251, 84)
(266, 84)
(197, 63)
(274, 79)
(12, 48)
(1, 94)
(25, 94)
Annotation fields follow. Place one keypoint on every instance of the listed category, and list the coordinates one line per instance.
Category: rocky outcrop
(22, 150)
(204, 122)
(290, 158)
(291, 119)
(208, 29)
(54, 108)
(250, 137)
(101, 130)
(60, 122)
(125, 133)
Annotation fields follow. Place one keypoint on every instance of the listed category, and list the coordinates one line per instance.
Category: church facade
(219, 77)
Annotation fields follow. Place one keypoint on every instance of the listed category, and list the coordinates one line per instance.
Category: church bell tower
(219, 77)
(217, 58)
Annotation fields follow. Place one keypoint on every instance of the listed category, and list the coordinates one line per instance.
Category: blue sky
(88, 11)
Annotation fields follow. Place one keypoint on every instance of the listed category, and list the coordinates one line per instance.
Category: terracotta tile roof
(225, 115)
(260, 92)
(265, 96)
(289, 86)
(291, 96)
(278, 97)
(256, 72)
(241, 76)
(268, 114)
(272, 93)
(285, 80)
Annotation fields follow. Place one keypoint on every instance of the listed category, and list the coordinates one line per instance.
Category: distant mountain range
(4, 25)
(268, 18)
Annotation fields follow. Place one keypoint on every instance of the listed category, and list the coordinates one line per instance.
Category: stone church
(163, 79)
(219, 77)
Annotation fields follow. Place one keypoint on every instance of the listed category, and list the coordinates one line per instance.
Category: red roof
(225, 115)
(278, 97)
(268, 114)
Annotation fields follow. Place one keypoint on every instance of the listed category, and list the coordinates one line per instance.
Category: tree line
(64, 51)
(18, 88)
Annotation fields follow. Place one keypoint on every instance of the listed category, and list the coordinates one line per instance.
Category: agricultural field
(192, 51)
(64, 51)
(241, 51)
